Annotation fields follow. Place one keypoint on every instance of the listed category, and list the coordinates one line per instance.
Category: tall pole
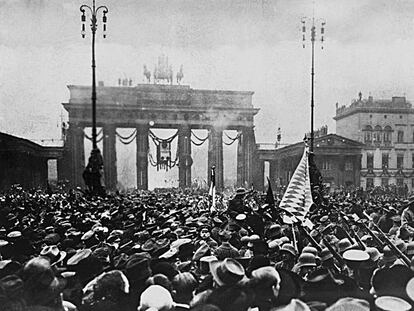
(312, 82)
(313, 39)
(93, 27)
(94, 170)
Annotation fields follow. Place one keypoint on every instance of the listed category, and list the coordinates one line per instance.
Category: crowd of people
(172, 250)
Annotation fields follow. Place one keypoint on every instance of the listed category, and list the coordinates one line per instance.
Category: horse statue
(180, 75)
(147, 74)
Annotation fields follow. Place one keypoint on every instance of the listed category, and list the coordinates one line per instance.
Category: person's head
(287, 252)
(265, 281)
(159, 279)
(306, 263)
(11, 293)
(184, 285)
(41, 287)
(228, 272)
(157, 298)
(204, 233)
(232, 298)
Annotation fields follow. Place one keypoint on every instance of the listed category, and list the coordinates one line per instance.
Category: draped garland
(99, 136)
(232, 140)
(126, 140)
(201, 140)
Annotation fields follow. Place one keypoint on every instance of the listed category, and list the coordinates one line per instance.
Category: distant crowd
(173, 250)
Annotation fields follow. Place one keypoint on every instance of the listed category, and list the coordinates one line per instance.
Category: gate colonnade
(149, 106)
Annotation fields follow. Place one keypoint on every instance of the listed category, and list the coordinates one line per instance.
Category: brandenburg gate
(147, 106)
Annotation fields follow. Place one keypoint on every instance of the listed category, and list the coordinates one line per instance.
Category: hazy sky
(253, 45)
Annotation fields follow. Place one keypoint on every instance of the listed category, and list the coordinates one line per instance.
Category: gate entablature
(165, 105)
(162, 106)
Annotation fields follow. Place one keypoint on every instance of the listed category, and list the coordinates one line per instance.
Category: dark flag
(269, 195)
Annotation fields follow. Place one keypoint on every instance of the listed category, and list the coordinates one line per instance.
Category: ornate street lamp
(313, 39)
(94, 169)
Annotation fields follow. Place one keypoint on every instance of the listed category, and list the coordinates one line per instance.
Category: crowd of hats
(168, 251)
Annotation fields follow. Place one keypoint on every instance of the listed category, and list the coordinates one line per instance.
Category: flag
(212, 190)
(297, 198)
(269, 195)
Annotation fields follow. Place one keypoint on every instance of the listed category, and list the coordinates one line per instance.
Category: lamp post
(93, 171)
(313, 39)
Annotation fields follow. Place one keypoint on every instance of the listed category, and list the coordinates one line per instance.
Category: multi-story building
(386, 128)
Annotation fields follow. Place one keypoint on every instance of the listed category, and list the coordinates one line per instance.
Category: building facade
(338, 159)
(386, 128)
(24, 162)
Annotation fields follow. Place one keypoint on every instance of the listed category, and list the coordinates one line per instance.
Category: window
(384, 182)
(370, 183)
(412, 160)
(385, 116)
(412, 183)
(384, 160)
(377, 134)
(400, 182)
(387, 134)
(370, 161)
(400, 161)
(326, 165)
(400, 136)
(349, 165)
(368, 134)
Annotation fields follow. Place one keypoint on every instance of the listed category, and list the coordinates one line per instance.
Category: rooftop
(396, 104)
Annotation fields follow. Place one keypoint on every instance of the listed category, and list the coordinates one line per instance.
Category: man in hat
(205, 237)
(385, 222)
(236, 204)
(288, 255)
(226, 250)
(407, 217)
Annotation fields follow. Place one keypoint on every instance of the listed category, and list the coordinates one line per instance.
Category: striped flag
(297, 199)
(212, 190)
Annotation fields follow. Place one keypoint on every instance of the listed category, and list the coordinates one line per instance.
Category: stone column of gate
(142, 156)
(76, 154)
(109, 156)
(184, 156)
(246, 155)
(241, 150)
(215, 156)
(273, 173)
